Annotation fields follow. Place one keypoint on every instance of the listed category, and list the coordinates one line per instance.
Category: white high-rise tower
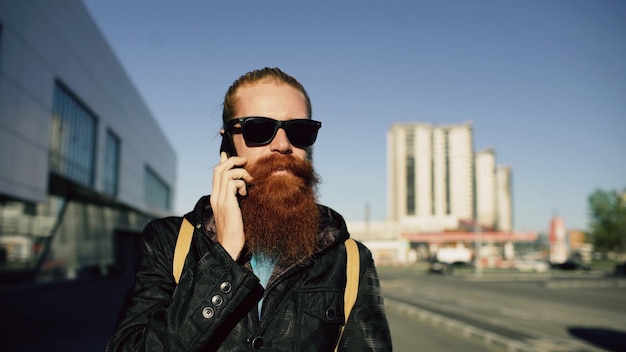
(430, 171)
(486, 188)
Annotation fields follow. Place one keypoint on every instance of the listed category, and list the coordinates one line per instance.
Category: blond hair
(264, 75)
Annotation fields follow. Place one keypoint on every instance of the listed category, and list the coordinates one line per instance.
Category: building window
(410, 173)
(111, 163)
(432, 173)
(410, 185)
(447, 168)
(156, 191)
(73, 138)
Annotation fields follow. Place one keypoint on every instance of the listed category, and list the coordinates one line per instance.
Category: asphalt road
(552, 312)
(426, 313)
(79, 316)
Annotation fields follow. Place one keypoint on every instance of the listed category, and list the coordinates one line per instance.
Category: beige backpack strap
(182, 248)
(352, 281)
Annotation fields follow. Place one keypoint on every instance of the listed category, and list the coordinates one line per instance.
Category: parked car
(437, 267)
(532, 265)
(573, 265)
(620, 269)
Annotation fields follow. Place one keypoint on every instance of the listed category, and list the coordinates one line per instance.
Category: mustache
(264, 167)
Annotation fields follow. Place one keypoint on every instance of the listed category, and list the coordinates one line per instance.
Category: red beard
(280, 214)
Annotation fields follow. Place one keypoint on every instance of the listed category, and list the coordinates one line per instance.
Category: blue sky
(543, 82)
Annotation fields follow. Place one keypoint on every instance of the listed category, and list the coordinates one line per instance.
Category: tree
(608, 220)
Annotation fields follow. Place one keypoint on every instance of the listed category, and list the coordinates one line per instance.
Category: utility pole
(478, 267)
(367, 220)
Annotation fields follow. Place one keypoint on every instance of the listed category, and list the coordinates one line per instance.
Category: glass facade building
(75, 177)
(72, 138)
(111, 171)
(157, 192)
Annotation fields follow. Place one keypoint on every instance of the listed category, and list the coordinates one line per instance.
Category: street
(75, 316)
(554, 312)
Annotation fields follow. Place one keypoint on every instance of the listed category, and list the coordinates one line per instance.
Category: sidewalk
(72, 316)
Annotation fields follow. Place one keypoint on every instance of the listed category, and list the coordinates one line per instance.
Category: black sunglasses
(258, 131)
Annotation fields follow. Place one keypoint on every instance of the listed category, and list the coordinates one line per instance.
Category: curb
(465, 330)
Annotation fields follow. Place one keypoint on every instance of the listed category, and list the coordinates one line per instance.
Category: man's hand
(229, 180)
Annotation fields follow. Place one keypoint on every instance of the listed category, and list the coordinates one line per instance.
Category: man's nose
(281, 143)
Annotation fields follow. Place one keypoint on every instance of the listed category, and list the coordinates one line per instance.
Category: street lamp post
(478, 267)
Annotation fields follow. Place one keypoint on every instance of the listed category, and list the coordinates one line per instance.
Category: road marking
(534, 344)
(566, 284)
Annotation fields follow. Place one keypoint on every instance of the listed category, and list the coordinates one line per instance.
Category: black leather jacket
(214, 307)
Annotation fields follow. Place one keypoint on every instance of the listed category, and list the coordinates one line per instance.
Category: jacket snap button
(225, 287)
(208, 312)
(331, 313)
(257, 342)
(217, 300)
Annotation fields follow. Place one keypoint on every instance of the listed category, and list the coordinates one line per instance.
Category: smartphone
(227, 145)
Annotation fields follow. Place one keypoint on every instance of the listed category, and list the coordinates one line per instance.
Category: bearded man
(266, 268)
